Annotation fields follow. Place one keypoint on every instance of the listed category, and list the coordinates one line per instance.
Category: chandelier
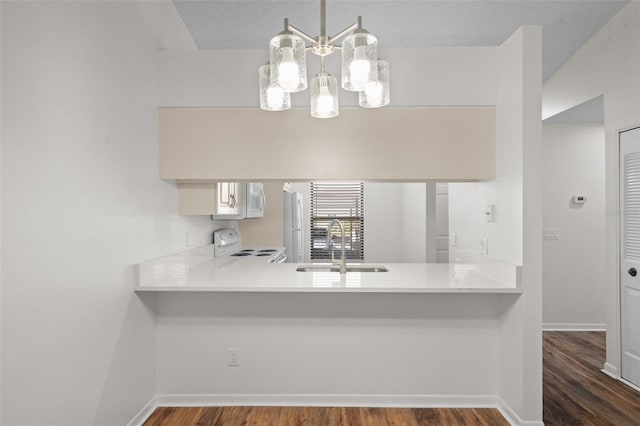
(286, 71)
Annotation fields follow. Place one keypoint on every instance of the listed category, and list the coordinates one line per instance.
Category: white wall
(81, 204)
(229, 78)
(384, 222)
(414, 222)
(608, 64)
(514, 236)
(468, 201)
(574, 281)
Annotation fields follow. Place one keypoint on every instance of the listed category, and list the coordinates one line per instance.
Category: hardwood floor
(576, 393)
(319, 416)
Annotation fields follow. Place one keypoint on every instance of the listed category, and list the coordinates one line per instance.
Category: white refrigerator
(294, 227)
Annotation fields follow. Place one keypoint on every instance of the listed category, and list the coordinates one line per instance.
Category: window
(342, 201)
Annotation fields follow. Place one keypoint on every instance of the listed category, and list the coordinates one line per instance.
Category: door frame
(616, 371)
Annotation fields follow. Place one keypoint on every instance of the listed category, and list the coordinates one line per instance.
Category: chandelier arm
(301, 33)
(323, 18)
(343, 32)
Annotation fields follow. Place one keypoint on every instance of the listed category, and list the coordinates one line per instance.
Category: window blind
(342, 201)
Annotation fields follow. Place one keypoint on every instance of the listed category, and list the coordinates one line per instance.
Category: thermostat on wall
(579, 199)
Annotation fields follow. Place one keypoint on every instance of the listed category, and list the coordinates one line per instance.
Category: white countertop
(202, 272)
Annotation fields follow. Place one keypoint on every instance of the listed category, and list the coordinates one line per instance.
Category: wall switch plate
(490, 213)
(453, 239)
(551, 234)
(484, 248)
(233, 359)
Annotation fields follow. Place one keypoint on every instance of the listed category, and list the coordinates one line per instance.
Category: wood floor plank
(428, 416)
(177, 416)
(342, 416)
(210, 416)
(373, 415)
(491, 417)
(576, 392)
(260, 416)
(232, 416)
(401, 417)
(323, 416)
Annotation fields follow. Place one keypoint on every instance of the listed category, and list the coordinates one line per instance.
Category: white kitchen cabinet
(223, 200)
(229, 198)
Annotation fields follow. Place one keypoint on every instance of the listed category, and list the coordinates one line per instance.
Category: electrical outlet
(551, 234)
(233, 357)
(484, 248)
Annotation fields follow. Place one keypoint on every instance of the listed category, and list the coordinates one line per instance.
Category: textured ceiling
(240, 24)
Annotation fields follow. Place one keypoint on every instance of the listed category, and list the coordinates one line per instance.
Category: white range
(227, 242)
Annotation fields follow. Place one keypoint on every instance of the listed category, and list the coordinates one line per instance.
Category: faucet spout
(343, 250)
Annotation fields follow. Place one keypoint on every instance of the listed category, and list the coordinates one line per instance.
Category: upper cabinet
(390, 144)
(229, 198)
(222, 200)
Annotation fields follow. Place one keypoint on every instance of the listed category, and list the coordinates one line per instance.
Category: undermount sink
(350, 268)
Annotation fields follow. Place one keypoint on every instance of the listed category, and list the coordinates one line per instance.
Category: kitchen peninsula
(418, 335)
(198, 270)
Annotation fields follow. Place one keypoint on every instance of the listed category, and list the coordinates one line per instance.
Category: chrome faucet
(330, 246)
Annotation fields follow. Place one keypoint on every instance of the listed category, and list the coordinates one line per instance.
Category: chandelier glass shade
(376, 93)
(288, 59)
(362, 71)
(272, 96)
(324, 96)
(359, 60)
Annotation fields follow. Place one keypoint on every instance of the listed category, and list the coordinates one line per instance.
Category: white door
(630, 254)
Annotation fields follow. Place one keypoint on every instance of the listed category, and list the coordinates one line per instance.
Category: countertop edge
(328, 290)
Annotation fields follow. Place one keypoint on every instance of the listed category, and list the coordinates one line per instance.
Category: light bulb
(288, 70)
(373, 91)
(359, 68)
(275, 97)
(324, 104)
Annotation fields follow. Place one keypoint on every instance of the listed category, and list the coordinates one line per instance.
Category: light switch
(453, 239)
(490, 213)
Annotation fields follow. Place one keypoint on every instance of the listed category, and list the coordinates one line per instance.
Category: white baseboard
(315, 400)
(551, 326)
(144, 414)
(418, 401)
(512, 417)
(611, 370)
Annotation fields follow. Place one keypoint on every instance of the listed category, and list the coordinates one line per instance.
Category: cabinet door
(223, 194)
(229, 198)
(197, 198)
